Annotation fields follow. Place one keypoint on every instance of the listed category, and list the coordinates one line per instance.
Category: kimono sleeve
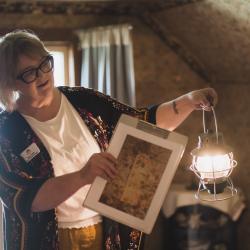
(17, 188)
(110, 109)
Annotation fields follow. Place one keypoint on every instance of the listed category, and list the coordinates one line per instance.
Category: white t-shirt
(70, 145)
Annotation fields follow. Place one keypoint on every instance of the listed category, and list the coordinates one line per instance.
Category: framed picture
(148, 157)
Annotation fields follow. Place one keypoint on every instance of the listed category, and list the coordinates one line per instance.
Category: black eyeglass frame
(47, 58)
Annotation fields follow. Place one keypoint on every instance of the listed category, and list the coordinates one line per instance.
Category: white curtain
(107, 61)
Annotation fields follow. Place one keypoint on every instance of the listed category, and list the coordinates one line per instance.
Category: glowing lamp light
(213, 163)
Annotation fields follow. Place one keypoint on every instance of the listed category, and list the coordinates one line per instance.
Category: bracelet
(175, 108)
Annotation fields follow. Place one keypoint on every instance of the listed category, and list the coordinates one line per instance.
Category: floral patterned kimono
(20, 180)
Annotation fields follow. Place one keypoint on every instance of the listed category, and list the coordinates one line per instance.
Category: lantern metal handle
(215, 123)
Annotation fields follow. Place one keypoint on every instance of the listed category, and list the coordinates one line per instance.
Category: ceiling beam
(172, 42)
(117, 7)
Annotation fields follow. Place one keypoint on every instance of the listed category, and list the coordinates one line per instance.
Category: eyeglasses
(31, 75)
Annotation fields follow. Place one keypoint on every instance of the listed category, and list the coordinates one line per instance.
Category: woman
(53, 143)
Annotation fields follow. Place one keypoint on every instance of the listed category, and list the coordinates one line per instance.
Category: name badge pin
(30, 152)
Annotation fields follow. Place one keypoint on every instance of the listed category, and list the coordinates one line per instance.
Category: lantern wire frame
(214, 185)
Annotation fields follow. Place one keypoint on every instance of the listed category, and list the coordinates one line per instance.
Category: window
(63, 63)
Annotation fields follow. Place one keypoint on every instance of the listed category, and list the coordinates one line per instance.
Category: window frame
(67, 49)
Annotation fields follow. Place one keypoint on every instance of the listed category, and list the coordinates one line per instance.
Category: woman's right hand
(100, 164)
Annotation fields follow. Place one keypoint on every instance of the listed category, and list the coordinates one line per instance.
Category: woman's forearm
(171, 114)
(56, 190)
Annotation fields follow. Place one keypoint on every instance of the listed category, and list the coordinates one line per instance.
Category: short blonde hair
(12, 46)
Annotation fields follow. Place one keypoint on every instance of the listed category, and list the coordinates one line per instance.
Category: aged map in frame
(141, 166)
(147, 160)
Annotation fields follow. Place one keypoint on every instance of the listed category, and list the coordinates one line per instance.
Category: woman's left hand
(171, 114)
(202, 99)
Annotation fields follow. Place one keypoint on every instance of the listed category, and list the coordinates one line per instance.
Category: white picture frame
(148, 157)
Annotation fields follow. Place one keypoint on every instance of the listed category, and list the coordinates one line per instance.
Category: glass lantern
(213, 163)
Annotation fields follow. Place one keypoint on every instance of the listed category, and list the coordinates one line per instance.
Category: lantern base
(215, 188)
(216, 191)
